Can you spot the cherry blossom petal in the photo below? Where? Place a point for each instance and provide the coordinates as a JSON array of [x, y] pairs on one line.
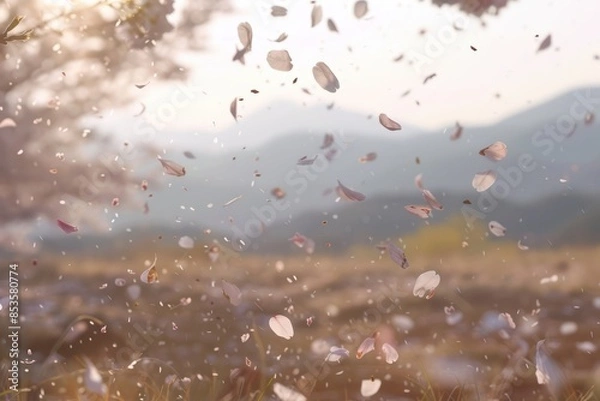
[[545, 43], [497, 229], [186, 242], [150, 275], [521, 246], [231, 292], [369, 387], [426, 284], [278, 11], [325, 77], [331, 25], [66, 227], [245, 34], [8, 123], [361, 8], [287, 394], [303, 242], [397, 255], [431, 200], [280, 60], [350, 194], [337, 353], [233, 108], [457, 132], [316, 15], [327, 141], [389, 123], [482, 181], [495, 152], [172, 168], [419, 181], [369, 157], [365, 347], [282, 326], [391, 355], [419, 210]]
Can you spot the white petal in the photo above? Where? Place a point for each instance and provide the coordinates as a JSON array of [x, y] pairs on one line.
[[280, 60], [231, 292], [391, 355], [389, 123], [419, 181], [369, 387], [365, 347], [8, 123], [482, 181], [186, 242], [497, 229], [325, 77], [282, 326], [419, 210], [287, 394], [426, 284]]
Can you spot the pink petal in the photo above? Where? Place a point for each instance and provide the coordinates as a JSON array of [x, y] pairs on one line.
[[327, 141], [457, 132], [369, 157], [430, 199], [365, 347], [8, 123], [325, 77], [172, 168], [233, 108], [280, 60], [418, 210], [66, 227], [495, 152], [482, 181], [361, 8], [282, 326], [419, 181], [389, 123], [316, 15], [397, 255], [545, 43], [350, 194]]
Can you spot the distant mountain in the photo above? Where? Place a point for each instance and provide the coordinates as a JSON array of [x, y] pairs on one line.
[[228, 189]]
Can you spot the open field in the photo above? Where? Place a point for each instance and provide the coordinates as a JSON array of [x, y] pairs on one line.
[[349, 296]]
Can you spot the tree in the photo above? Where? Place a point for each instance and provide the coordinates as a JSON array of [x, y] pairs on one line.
[[63, 61]]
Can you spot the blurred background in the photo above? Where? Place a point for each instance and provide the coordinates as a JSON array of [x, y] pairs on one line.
[[194, 140]]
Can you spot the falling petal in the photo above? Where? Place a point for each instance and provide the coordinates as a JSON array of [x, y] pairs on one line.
[[316, 15], [389, 123], [350, 194], [233, 200], [280, 60], [331, 25], [231, 292], [419, 210], [8, 123], [369, 387], [305, 161], [397, 255], [482, 181], [426, 284], [172, 168], [337, 353], [365, 347], [369, 157], [325, 77], [213, 253], [245, 34], [303, 242], [391, 355], [281, 38], [521, 246], [545, 43], [430, 199], [327, 141], [150, 275], [497, 229], [282, 326], [428, 77], [140, 86], [496, 151], [189, 154], [66, 227], [507, 318], [92, 379], [419, 181], [361, 8], [287, 394], [186, 242], [278, 11], [278, 193], [233, 108], [457, 132]]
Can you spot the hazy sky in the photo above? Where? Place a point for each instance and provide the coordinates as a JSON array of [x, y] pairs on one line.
[[506, 61]]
